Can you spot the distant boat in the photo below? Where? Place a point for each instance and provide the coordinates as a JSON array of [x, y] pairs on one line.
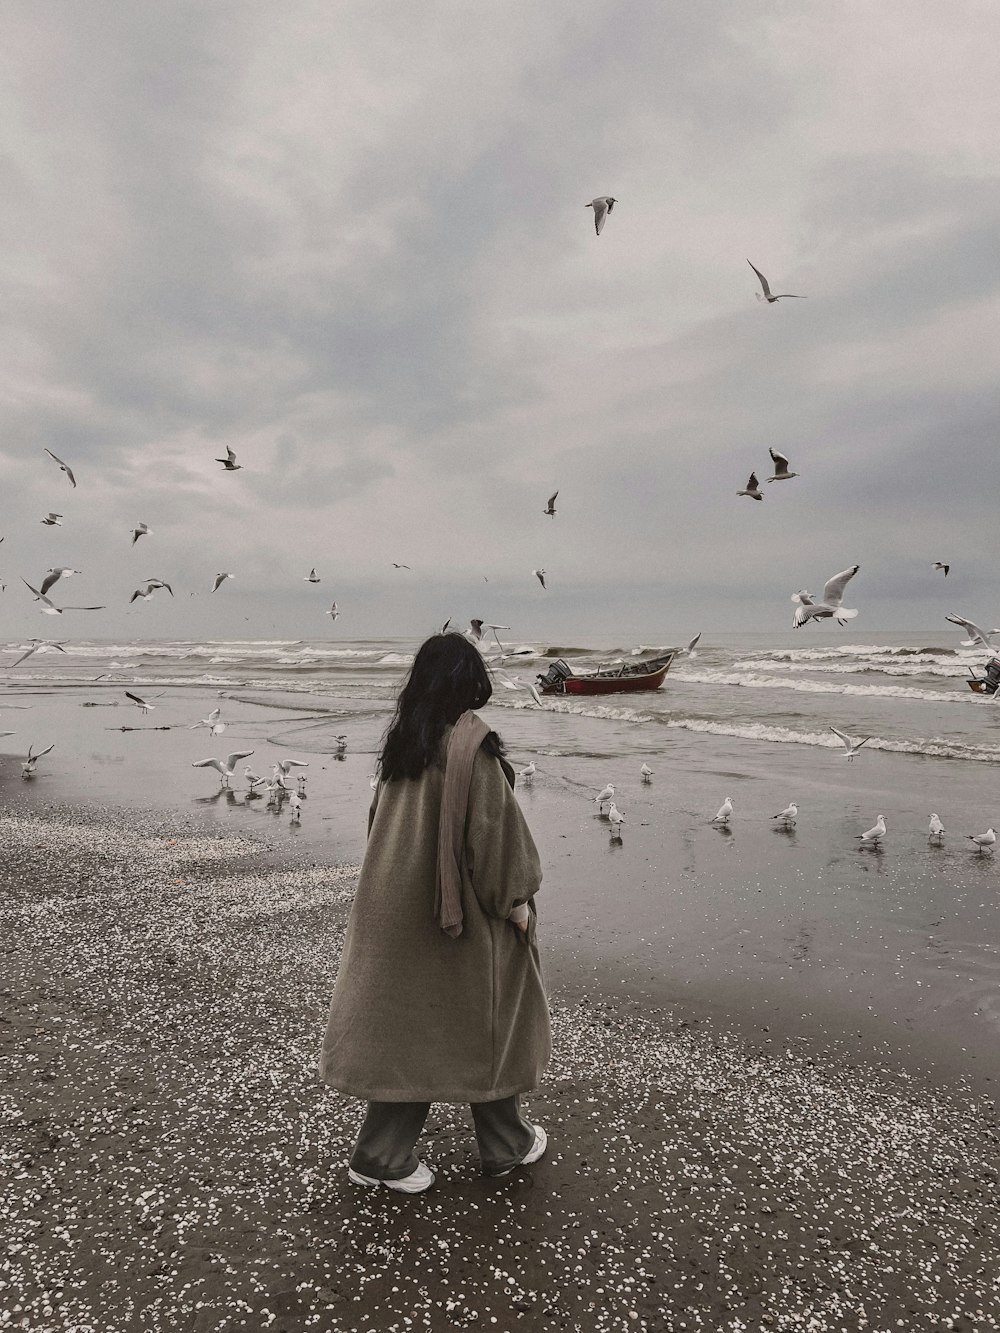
[[620, 679]]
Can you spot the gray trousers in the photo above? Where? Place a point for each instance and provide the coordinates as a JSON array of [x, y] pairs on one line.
[[384, 1149]]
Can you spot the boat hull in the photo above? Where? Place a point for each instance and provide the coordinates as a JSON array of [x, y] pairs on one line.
[[614, 684]]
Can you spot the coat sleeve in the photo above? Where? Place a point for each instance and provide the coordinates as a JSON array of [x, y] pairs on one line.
[[500, 852]]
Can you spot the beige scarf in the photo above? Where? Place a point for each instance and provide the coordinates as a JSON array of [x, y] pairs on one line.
[[463, 745]]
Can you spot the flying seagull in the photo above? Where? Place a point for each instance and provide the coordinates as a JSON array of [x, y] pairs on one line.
[[689, 651], [753, 488], [768, 296], [50, 609], [977, 637], [602, 206], [476, 627], [219, 581], [781, 472], [38, 646], [53, 576], [939, 565], [65, 467], [226, 767], [140, 530], [28, 767], [550, 506], [875, 833], [851, 745], [151, 587], [831, 605], [53, 520], [229, 463], [333, 612], [312, 576], [212, 722], [283, 766], [395, 566], [140, 703], [539, 575]]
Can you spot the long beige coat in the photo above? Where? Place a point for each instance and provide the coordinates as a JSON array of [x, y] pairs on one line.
[[418, 1015]]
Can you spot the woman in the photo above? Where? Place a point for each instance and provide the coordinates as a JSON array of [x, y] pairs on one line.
[[439, 997]]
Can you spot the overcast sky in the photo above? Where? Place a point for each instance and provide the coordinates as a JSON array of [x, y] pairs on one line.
[[350, 241]]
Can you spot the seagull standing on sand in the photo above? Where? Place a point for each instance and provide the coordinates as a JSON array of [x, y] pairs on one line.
[[616, 819], [227, 766], [140, 530], [528, 772], [939, 565], [251, 778], [874, 834], [140, 703], [53, 576], [646, 773], [781, 472], [52, 520], [229, 463], [768, 296], [602, 797], [602, 206], [977, 637], [851, 746], [936, 828], [28, 767], [219, 581], [984, 841], [295, 801], [725, 810], [539, 575], [753, 488], [64, 466], [831, 605], [550, 505], [788, 814]]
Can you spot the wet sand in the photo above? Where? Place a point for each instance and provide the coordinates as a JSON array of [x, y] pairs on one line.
[[172, 1163]]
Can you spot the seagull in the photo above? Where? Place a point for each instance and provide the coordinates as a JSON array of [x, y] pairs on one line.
[[226, 767], [646, 772], [53, 576], [938, 565], [935, 828], [476, 627], [768, 295], [341, 744], [251, 778], [874, 834], [788, 814], [151, 587], [602, 206], [689, 651], [312, 576], [229, 463], [373, 781], [53, 520], [852, 746], [395, 566], [984, 840], [140, 530], [283, 765], [50, 609], [333, 612], [616, 818], [977, 636], [28, 767], [212, 722], [141, 704], [295, 801], [68, 470], [725, 810], [833, 596], [38, 646], [219, 581], [753, 488], [781, 472], [550, 505], [539, 575], [602, 797], [528, 772]]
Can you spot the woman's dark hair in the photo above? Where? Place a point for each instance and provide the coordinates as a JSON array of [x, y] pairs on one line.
[[447, 678]]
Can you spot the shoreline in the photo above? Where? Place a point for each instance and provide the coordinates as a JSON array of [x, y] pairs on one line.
[[167, 1000]]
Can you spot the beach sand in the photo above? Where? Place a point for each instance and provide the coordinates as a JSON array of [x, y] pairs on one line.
[[171, 1161]]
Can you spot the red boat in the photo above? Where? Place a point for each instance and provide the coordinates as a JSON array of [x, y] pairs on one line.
[[619, 679]]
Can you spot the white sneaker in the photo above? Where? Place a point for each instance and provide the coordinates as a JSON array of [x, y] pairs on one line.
[[415, 1183], [536, 1150]]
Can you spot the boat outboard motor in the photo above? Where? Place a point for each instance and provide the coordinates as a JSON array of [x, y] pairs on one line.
[[992, 670], [556, 674]]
